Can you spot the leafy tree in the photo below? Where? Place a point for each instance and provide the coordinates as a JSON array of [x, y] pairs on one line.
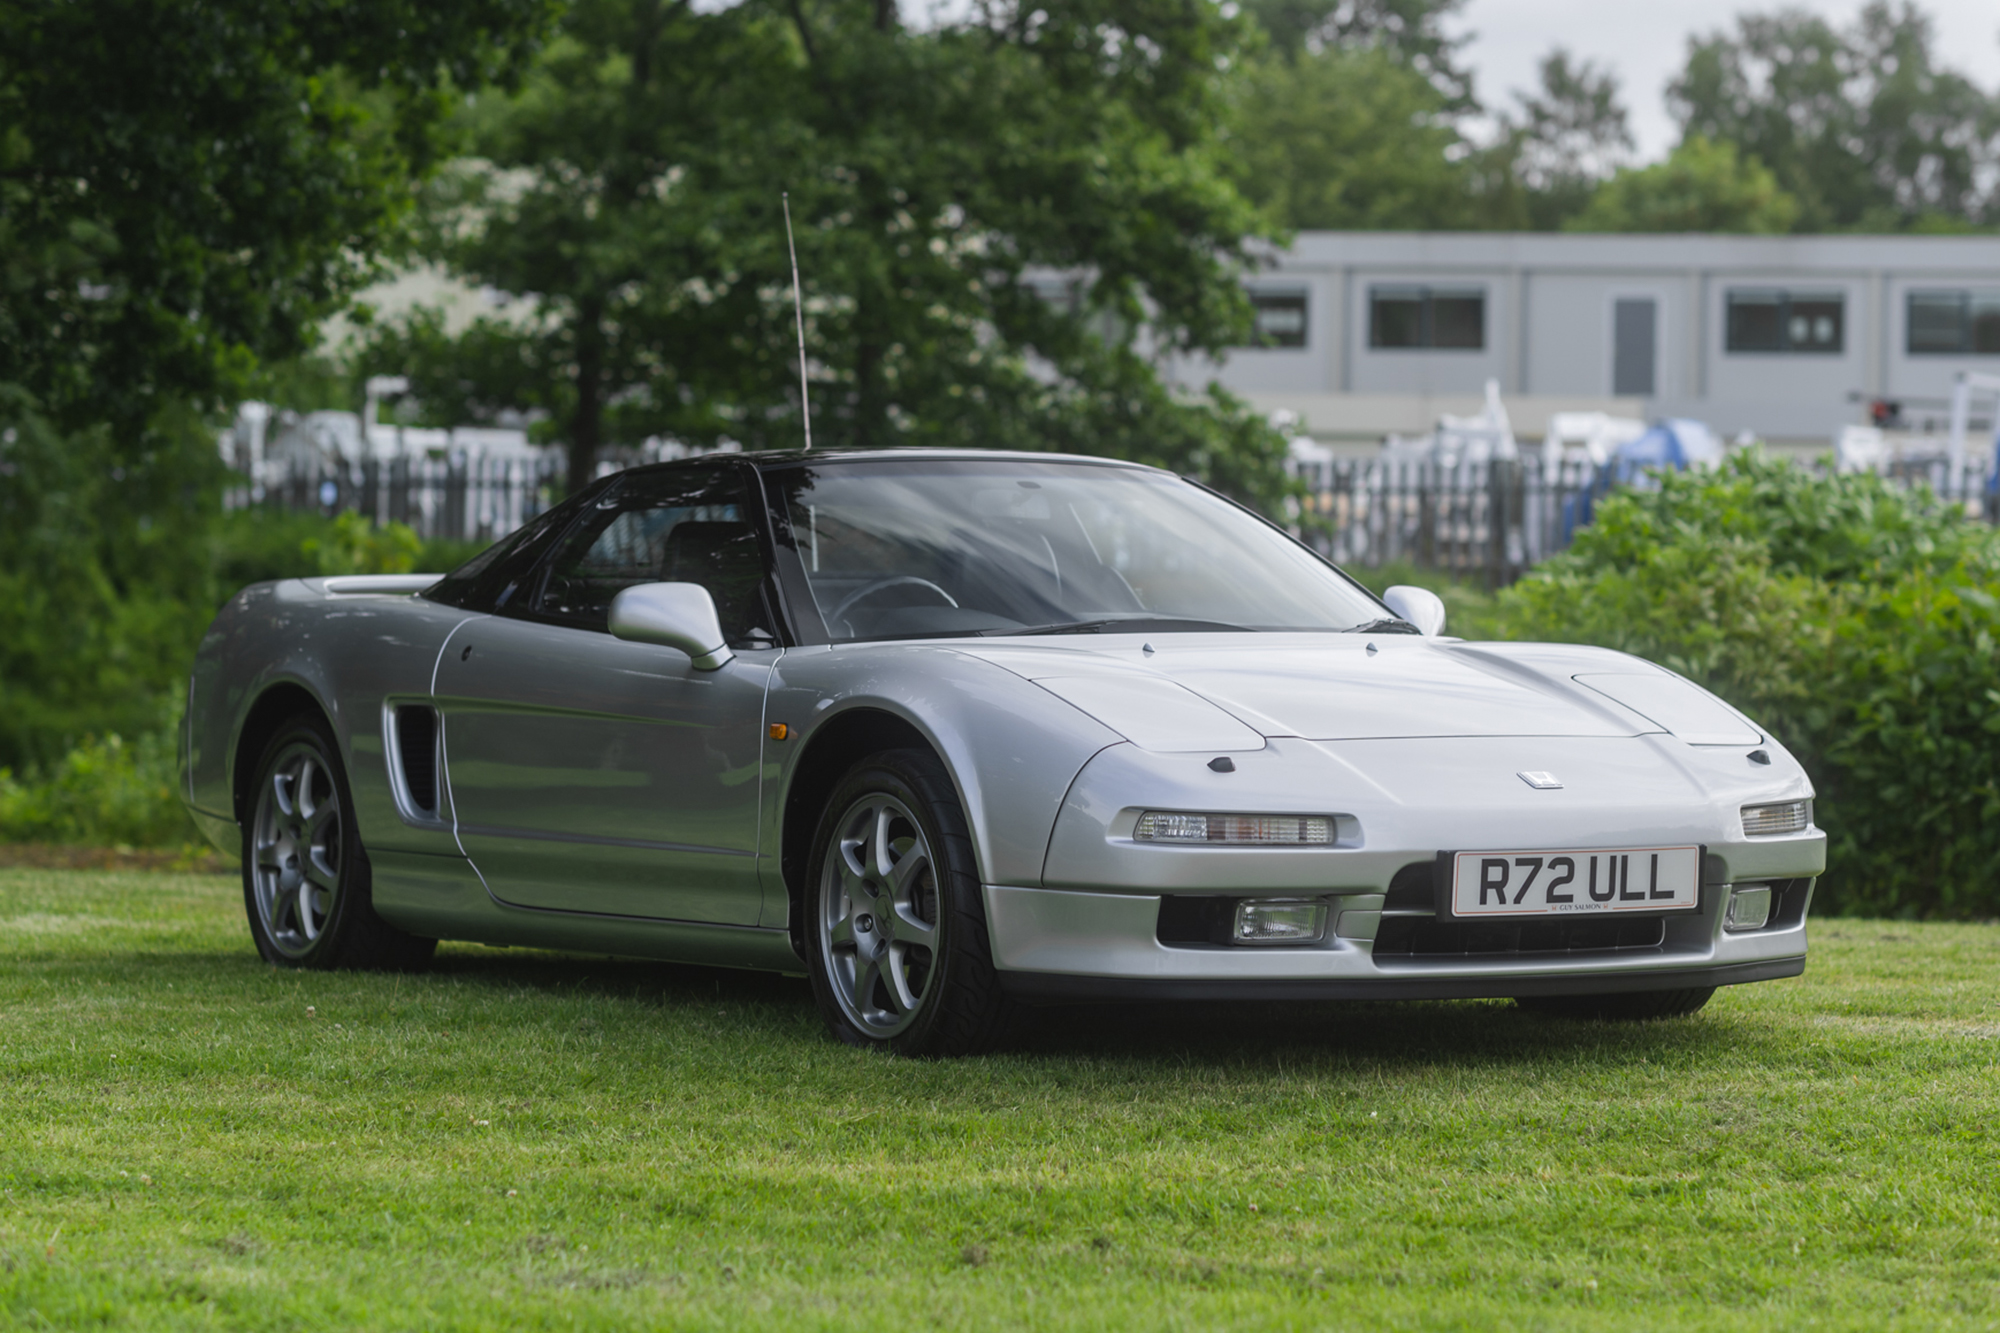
[[1554, 151], [1860, 124], [1702, 186], [1410, 32], [1003, 221], [1350, 139], [183, 190]]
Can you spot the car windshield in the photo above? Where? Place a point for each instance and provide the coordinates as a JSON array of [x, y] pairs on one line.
[[906, 547]]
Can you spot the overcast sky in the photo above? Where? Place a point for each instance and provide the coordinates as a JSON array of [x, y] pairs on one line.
[[1645, 41]]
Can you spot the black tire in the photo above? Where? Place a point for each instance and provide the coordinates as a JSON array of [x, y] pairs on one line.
[[923, 973], [1626, 1006], [306, 882]]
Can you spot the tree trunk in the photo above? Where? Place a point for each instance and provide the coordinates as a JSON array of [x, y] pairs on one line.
[[586, 429]]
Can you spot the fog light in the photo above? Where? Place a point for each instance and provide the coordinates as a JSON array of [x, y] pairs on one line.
[[1278, 921], [1761, 821], [1239, 830], [1749, 907]]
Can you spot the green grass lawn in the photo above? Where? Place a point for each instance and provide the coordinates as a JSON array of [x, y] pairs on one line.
[[191, 1139]]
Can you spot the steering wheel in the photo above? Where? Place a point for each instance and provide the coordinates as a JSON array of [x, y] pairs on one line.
[[868, 590]]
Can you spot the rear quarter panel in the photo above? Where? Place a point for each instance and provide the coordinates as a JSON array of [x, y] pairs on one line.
[[354, 655]]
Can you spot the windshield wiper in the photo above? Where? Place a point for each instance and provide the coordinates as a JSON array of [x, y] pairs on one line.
[[1115, 625], [1387, 625]]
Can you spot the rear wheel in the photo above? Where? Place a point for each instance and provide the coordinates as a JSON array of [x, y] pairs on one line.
[[895, 929], [306, 886], [1627, 1006]]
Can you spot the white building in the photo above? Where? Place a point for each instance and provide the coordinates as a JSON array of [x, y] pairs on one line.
[[1786, 337]]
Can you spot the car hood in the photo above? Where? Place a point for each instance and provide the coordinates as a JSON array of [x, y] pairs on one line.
[[1205, 692]]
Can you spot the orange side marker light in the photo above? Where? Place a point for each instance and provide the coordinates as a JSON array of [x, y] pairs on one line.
[[779, 731]]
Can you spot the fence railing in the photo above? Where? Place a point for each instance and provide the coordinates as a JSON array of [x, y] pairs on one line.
[[1487, 521], [1493, 521], [1490, 521], [460, 498]]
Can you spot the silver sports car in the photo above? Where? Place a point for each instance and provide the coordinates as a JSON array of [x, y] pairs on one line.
[[955, 732]]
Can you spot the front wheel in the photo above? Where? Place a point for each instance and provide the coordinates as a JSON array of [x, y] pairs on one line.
[[895, 929], [305, 876], [1627, 1006]]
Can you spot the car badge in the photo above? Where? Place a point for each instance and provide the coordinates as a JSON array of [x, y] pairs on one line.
[[1540, 781]]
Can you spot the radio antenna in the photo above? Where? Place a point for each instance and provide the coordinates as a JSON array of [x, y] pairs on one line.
[[799, 318]]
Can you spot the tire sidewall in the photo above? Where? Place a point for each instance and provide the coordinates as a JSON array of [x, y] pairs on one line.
[[352, 897], [893, 774]]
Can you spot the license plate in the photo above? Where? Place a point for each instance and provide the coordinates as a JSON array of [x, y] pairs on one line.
[[1559, 883]]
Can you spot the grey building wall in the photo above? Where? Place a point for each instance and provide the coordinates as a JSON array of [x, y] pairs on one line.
[[1550, 316]]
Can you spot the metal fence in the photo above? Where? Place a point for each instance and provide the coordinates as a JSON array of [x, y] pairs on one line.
[[457, 497], [1492, 522], [1486, 521]]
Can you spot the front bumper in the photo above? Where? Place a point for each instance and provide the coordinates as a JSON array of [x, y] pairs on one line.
[[1055, 987], [1093, 928], [1056, 944]]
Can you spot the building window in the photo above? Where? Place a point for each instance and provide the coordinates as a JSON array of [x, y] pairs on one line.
[[1281, 318], [1961, 322], [1781, 321], [1427, 317]]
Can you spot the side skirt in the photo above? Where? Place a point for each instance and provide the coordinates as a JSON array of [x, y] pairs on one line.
[[443, 897]]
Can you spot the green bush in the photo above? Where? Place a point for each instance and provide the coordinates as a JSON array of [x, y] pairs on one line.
[[1856, 621], [108, 792], [252, 545]]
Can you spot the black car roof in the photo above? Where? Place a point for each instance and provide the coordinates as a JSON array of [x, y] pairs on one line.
[[766, 459]]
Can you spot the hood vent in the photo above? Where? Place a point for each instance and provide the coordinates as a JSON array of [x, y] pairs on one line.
[[416, 745]]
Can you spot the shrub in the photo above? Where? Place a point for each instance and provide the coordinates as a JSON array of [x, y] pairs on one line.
[[1857, 622], [105, 792]]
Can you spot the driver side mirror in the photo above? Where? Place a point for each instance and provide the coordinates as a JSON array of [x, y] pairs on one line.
[[673, 615], [1420, 606]]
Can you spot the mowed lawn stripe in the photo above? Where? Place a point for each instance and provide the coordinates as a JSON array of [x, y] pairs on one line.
[[191, 1139]]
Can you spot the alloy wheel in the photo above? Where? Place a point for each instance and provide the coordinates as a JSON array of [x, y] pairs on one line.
[[878, 915], [295, 873]]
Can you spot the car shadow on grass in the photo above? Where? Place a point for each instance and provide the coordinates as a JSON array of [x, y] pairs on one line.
[[1430, 1033], [1413, 1032]]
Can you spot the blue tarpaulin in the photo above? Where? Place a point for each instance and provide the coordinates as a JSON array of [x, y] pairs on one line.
[[1676, 442]]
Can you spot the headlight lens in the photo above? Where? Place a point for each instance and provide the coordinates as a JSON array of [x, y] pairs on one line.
[[1236, 830], [1761, 821]]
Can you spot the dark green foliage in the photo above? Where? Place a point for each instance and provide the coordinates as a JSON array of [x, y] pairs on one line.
[[1861, 624], [1701, 187], [1409, 32], [1350, 140], [1555, 148], [103, 578], [185, 188], [633, 188]]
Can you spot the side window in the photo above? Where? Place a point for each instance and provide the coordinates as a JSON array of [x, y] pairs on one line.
[[687, 525], [494, 579]]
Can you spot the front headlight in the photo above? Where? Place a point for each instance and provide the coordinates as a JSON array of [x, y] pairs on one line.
[[1235, 830], [1761, 821]]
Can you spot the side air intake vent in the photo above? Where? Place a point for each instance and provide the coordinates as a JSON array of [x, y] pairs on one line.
[[416, 742]]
